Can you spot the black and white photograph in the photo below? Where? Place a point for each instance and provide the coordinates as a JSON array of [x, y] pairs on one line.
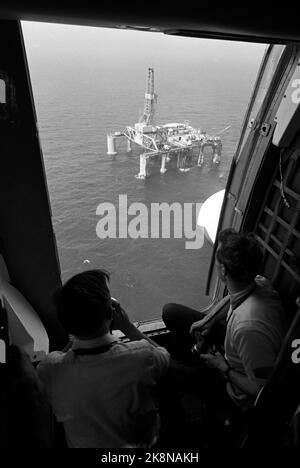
[[149, 229]]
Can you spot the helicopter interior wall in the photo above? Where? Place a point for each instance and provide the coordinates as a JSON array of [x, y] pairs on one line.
[[27, 240], [277, 224], [272, 209]]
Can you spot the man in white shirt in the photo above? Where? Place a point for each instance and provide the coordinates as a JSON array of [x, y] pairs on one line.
[[101, 389], [254, 331]]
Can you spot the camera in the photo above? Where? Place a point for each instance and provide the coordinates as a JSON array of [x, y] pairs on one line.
[[200, 347]]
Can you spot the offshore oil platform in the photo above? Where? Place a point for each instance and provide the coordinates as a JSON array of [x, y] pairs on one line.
[[171, 141]]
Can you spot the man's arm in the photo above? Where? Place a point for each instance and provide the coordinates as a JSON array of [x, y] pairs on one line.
[[256, 352], [122, 322], [134, 334], [159, 356], [217, 314], [219, 364], [243, 383]]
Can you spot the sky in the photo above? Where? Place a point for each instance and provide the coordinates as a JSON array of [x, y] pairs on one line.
[[47, 39]]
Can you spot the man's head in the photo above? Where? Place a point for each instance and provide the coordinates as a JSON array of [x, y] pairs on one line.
[[239, 256], [83, 304]]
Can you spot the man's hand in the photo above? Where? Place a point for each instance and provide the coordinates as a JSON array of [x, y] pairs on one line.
[[120, 319], [215, 361], [201, 328]]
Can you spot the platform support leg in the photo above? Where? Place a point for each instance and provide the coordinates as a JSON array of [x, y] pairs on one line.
[[200, 157], [216, 158], [163, 164], [217, 153], [111, 149], [143, 167], [129, 148]]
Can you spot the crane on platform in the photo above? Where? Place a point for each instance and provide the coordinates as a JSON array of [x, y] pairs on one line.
[[168, 141]]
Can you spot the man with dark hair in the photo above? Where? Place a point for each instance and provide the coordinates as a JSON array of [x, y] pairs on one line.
[[101, 388], [241, 255], [250, 339]]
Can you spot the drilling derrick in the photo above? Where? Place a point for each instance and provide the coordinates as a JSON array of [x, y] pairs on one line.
[[150, 100]]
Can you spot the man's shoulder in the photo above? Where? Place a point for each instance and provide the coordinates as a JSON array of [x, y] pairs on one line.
[[141, 346], [265, 291], [136, 344], [144, 352], [54, 359], [263, 308], [264, 298]]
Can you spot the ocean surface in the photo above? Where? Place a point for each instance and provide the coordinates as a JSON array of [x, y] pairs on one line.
[[87, 83]]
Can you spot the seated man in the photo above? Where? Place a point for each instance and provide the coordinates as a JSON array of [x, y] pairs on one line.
[[254, 330], [101, 388]]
